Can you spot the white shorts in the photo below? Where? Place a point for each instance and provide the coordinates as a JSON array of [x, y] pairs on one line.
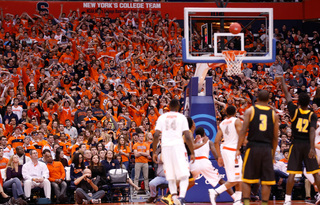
[[233, 170], [175, 162], [204, 167]]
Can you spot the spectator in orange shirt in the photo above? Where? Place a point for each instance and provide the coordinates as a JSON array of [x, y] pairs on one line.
[[16, 139], [3, 161], [56, 177], [141, 153], [67, 57]]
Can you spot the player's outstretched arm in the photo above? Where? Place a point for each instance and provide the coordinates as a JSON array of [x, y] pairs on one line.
[[188, 139], [284, 88], [275, 133], [155, 144]]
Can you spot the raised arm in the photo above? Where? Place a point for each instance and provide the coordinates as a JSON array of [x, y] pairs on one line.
[[285, 88]]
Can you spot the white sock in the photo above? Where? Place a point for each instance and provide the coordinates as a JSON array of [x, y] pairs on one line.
[[238, 196], [221, 189], [287, 197], [184, 183], [172, 186], [234, 196]]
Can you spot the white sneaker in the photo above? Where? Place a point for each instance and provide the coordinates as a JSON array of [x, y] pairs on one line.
[[317, 197], [238, 202], [213, 195], [287, 203]]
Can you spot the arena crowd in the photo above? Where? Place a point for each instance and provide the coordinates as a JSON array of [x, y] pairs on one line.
[[85, 90]]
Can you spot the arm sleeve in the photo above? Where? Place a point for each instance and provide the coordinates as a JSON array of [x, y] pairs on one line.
[[63, 172], [314, 120], [25, 171], [45, 173], [8, 173]]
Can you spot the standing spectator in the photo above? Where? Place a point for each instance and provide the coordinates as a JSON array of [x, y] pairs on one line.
[[141, 153], [56, 177], [87, 157], [87, 189], [36, 174], [9, 115], [71, 131], [276, 69], [14, 177], [16, 108], [246, 71], [124, 151], [17, 138]]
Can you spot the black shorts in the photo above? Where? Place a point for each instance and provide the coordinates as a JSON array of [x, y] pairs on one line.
[[298, 153], [258, 166]]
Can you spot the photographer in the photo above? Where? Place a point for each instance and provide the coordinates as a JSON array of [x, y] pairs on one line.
[[87, 189]]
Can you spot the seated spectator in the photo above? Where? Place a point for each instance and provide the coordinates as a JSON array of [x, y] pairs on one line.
[[77, 167], [35, 174], [159, 179], [98, 170], [14, 177], [57, 178], [3, 161], [60, 157], [4, 198], [110, 163], [22, 157], [86, 185]]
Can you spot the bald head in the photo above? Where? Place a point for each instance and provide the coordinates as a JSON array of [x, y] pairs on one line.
[[263, 96]]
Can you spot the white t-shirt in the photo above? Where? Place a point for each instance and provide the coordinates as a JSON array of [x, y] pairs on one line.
[[17, 110], [172, 125]]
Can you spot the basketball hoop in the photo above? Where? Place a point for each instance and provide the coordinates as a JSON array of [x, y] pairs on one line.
[[234, 60]]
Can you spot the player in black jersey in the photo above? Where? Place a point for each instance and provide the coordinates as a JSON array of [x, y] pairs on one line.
[[302, 149], [262, 123]]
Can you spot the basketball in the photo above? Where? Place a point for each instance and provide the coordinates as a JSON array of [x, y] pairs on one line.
[[235, 28]]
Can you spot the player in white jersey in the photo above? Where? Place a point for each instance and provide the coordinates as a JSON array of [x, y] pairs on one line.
[[229, 130], [202, 164], [174, 155]]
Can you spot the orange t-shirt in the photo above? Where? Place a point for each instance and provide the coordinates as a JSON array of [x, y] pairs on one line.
[[3, 163], [141, 147], [126, 150]]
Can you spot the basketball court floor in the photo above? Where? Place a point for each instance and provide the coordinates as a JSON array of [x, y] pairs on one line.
[[276, 202]]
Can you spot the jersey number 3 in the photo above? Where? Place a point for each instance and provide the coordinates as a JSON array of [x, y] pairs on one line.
[[302, 125], [263, 123]]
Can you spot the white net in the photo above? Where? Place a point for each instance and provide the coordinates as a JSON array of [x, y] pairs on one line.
[[234, 60]]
